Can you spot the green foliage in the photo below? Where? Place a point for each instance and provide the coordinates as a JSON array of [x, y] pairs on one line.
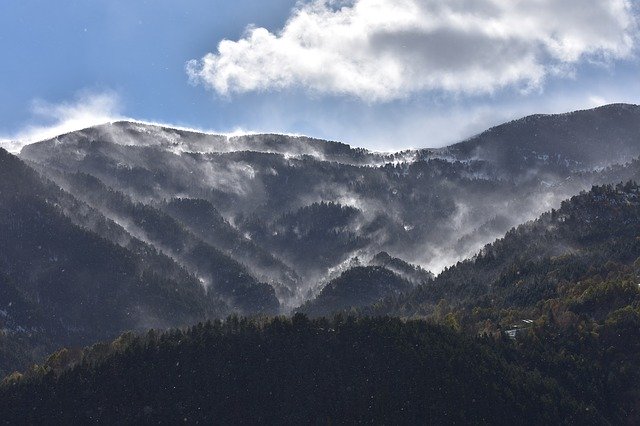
[[293, 371]]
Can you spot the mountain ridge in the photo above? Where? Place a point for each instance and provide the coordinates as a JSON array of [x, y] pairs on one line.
[[248, 185], [577, 128], [269, 231], [168, 127]]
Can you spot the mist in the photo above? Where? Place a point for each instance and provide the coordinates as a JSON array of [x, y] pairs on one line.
[[294, 212]]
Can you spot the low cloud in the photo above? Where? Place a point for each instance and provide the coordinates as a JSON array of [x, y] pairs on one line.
[[88, 109], [381, 50]]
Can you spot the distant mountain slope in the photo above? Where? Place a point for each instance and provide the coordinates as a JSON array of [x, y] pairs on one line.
[[356, 287], [412, 273], [62, 283], [313, 237], [577, 140], [223, 275], [206, 223], [187, 141], [293, 210], [541, 260]]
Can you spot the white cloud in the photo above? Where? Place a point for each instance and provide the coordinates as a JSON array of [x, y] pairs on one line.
[[380, 50], [88, 109]]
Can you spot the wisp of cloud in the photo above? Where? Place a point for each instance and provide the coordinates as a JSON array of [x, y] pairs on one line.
[[88, 109]]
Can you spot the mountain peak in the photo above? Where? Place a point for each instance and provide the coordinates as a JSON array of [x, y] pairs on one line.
[[581, 139], [182, 140]]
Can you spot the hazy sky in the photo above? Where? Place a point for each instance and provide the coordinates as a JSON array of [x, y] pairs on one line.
[[382, 74]]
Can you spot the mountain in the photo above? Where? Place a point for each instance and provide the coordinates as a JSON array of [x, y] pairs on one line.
[[356, 287], [221, 274], [129, 226], [64, 284], [541, 327], [564, 289], [261, 224], [581, 140], [592, 236], [294, 210]]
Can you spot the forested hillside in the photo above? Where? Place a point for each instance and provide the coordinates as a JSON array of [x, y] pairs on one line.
[[593, 236], [137, 227], [573, 141], [292, 210], [543, 326], [356, 287], [294, 371], [61, 284]]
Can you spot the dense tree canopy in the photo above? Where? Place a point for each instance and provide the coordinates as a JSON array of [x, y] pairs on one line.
[[292, 371]]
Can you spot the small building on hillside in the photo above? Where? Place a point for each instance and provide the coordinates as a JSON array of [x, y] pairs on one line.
[[519, 328]]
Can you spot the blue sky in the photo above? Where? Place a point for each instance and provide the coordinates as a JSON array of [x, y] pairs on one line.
[[380, 74]]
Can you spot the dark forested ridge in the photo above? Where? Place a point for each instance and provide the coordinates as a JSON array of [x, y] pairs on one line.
[[356, 287], [293, 371], [409, 272], [223, 275]]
